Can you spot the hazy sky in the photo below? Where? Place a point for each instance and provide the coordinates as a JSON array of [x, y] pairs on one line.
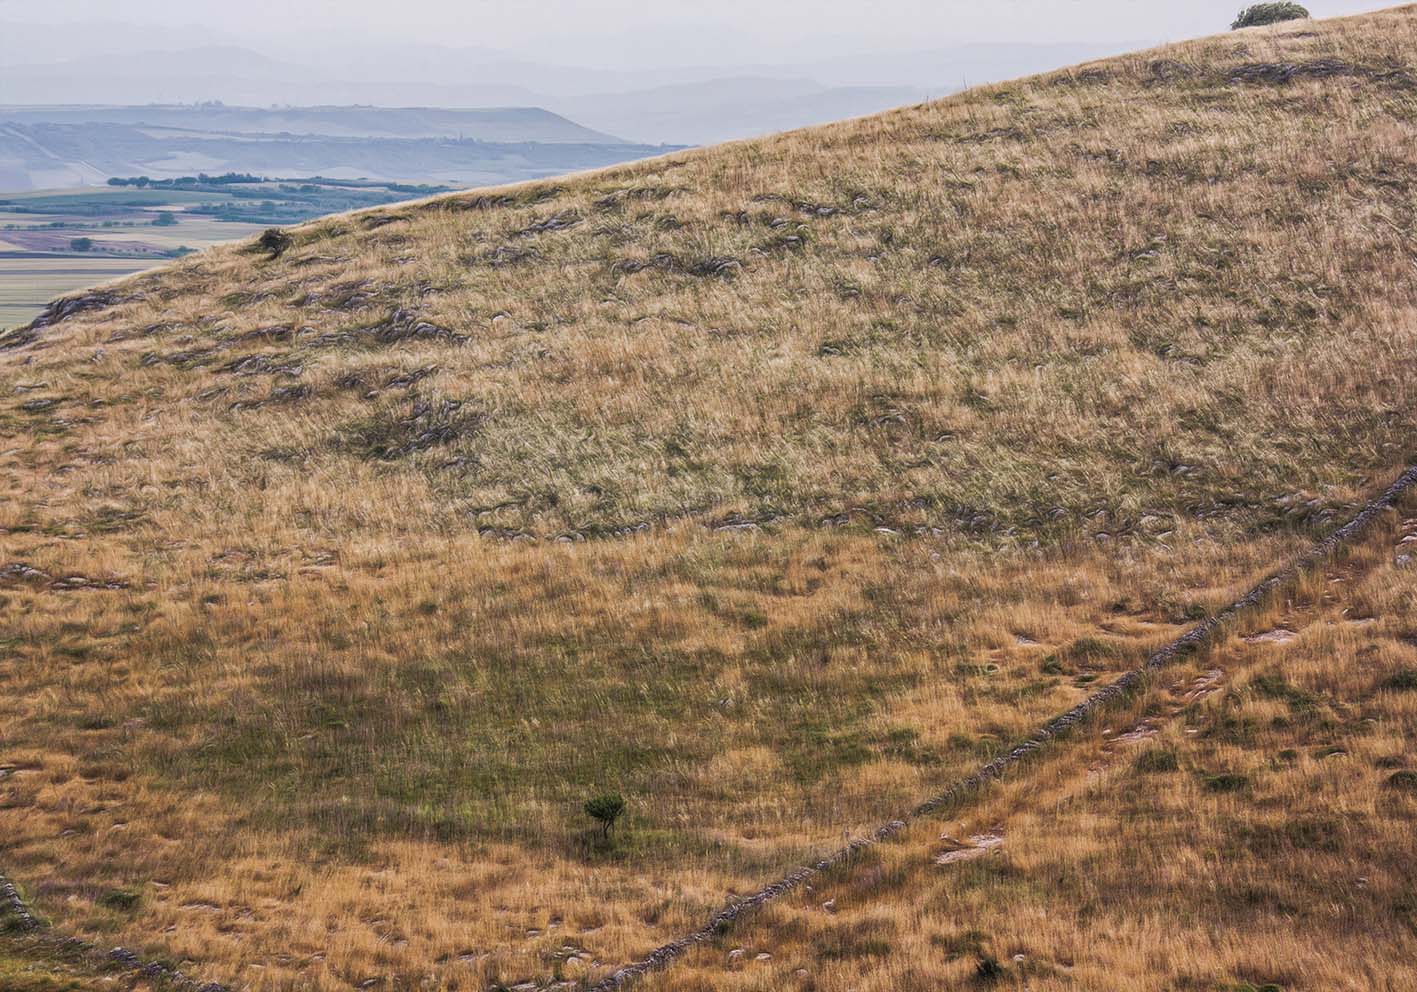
[[642, 33]]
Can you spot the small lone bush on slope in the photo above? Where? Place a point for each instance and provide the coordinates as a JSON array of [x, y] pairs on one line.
[[1268, 13], [275, 241], [605, 810]]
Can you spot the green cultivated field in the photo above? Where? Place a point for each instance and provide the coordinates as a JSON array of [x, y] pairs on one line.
[[38, 260]]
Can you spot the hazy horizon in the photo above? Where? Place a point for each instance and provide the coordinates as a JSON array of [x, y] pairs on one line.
[[673, 73], [621, 35]]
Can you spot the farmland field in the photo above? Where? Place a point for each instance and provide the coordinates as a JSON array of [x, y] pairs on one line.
[[28, 283], [37, 263], [119, 230]]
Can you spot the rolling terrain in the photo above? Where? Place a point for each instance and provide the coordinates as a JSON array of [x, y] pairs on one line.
[[56, 241], [59, 146], [774, 486], [683, 105], [500, 125]]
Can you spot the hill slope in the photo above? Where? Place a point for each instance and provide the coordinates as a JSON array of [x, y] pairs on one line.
[[769, 485], [1240, 826]]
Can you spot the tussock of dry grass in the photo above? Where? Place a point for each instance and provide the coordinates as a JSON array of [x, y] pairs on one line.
[[769, 485]]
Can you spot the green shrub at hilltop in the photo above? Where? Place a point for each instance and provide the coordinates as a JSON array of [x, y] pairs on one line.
[[1268, 13]]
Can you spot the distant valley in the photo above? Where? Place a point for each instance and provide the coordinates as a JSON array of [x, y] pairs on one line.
[[93, 192], [55, 241], [683, 105], [90, 192], [62, 146], [325, 131]]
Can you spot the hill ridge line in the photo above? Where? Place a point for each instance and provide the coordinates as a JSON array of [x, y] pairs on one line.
[[665, 955]]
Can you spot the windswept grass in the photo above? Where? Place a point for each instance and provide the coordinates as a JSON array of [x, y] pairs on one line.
[[1248, 824], [768, 486]]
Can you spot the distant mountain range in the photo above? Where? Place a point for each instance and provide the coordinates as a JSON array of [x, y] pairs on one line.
[[57, 147], [687, 105], [500, 124]]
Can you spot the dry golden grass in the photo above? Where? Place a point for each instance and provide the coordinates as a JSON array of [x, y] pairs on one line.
[[446, 520], [1248, 824], [40, 964], [387, 801]]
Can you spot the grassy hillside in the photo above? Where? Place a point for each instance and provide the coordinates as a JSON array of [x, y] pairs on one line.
[[771, 486], [1245, 825]]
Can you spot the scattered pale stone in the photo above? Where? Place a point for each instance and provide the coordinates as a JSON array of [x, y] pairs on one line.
[[976, 847], [1141, 732], [1205, 685], [1279, 635]]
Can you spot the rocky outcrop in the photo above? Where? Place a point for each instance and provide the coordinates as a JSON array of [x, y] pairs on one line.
[[57, 312]]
